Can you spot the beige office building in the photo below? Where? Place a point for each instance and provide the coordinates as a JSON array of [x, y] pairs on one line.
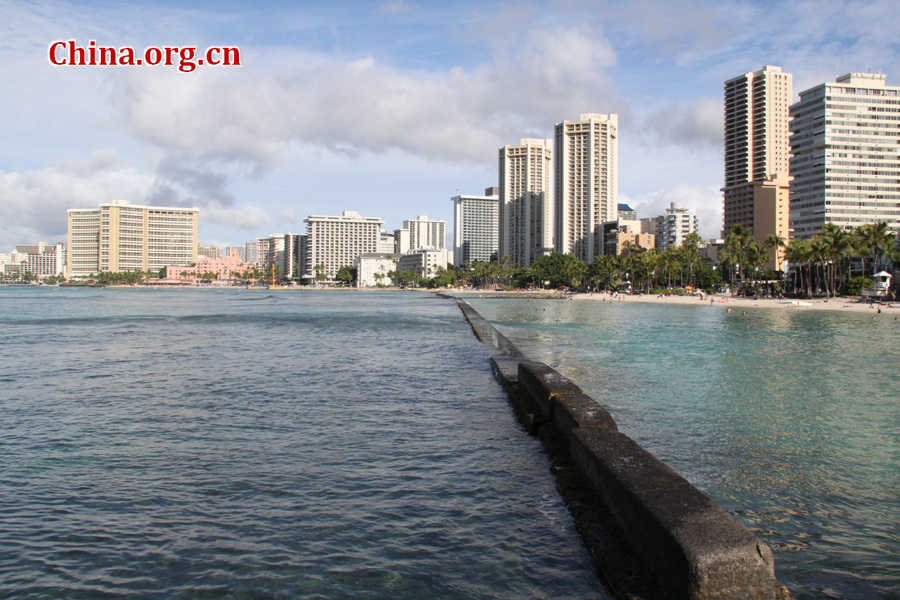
[[845, 141], [757, 154], [586, 183], [120, 236], [333, 242], [525, 214]]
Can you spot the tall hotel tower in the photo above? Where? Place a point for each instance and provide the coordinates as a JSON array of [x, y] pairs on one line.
[[757, 154], [845, 139], [120, 236], [525, 209], [333, 242], [586, 183], [476, 227]]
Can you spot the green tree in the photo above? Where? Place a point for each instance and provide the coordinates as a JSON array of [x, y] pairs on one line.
[[559, 269], [737, 241], [320, 273], [346, 275], [775, 243]]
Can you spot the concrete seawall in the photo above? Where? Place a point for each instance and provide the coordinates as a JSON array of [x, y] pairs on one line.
[[652, 533]]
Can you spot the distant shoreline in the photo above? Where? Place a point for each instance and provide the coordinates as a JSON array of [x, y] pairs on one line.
[[737, 304]]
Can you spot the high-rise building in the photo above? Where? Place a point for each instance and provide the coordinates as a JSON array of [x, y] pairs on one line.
[[674, 226], [526, 173], [426, 234], [41, 260], [476, 227], [281, 250], [757, 154], [240, 250], [385, 242], [401, 241], [120, 236], [209, 251], [586, 183], [334, 242], [626, 213], [251, 253], [845, 144]]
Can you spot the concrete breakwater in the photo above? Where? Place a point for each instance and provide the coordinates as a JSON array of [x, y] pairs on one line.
[[652, 534]]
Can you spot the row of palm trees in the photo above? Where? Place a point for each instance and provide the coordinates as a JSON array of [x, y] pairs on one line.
[[642, 269], [830, 259]]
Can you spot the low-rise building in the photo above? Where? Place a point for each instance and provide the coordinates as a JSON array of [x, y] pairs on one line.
[[372, 268], [423, 262], [616, 234], [223, 269]]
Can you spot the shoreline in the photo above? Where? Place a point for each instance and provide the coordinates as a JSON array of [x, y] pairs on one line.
[[840, 304], [737, 304]]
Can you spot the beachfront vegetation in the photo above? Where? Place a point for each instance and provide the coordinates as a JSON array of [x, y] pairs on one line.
[[834, 262]]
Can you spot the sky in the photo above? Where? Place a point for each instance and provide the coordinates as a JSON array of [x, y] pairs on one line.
[[387, 108]]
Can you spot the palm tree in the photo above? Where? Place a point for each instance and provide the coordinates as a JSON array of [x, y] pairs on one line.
[[874, 239], [737, 240], [798, 254], [776, 242], [839, 245], [819, 250]]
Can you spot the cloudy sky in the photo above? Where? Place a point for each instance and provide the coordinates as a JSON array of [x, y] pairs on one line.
[[387, 108]]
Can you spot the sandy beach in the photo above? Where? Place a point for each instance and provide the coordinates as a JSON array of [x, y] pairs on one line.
[[739, 305], [736, 304]]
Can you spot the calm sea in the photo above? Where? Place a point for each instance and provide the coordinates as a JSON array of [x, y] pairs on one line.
[[266, 444], [789, 420]]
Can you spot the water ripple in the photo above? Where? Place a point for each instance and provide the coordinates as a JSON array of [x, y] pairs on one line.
[[215, 444]]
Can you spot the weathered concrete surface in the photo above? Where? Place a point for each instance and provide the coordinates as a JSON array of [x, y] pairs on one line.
[[652, 533], [694, 545], [488, 335]]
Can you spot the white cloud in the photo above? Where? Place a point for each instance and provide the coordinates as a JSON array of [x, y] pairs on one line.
[[699, 123], [396, 7], [247, 116], [34, 202]]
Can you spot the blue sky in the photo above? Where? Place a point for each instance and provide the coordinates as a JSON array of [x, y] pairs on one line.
[[387, 108]]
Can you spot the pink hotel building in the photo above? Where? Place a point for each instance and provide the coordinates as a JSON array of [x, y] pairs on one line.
[[221, 267]]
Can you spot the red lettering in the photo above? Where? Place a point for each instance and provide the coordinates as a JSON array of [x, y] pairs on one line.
[[232, 52], [52, 53], [108, 56], [126, 57], [169, 53], [68, 53], [153, 55], [186, 64], [76, 54]]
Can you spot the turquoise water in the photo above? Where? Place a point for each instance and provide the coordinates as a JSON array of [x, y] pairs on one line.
[[788, 419], [256, 444]]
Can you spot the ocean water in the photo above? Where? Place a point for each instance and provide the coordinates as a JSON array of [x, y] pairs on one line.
[[266, 444], [788, 419]]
